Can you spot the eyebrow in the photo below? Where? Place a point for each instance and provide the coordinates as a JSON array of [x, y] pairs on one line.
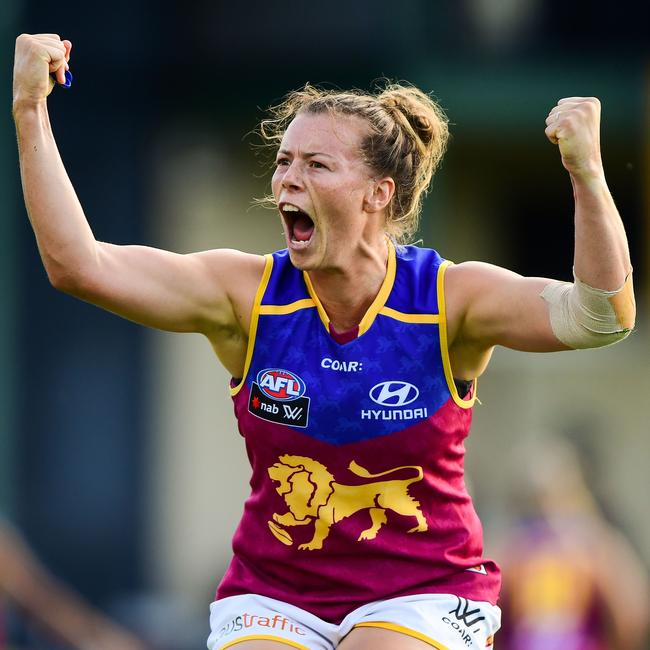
[[308, 154]]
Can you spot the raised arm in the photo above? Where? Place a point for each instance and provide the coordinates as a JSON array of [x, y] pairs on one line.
[[209, 292], [491, 306]]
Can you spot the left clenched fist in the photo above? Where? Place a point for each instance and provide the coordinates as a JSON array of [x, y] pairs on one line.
[[574, 125]]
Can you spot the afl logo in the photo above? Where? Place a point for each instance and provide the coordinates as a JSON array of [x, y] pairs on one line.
[[281, 384], [393, 393]]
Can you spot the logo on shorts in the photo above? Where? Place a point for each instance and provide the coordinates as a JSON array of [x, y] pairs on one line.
[[465, 618], [278, 396], [247, 621]]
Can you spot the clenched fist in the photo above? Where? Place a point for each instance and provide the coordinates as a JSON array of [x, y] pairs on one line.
[[37, 56], [574, 125]]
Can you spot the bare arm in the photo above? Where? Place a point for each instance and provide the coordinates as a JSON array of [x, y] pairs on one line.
[[602, 258], [209, 292], [622, 582], [32, 589], [491, 306]]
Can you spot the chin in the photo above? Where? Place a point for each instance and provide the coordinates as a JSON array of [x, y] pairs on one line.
[[306, 259], [301, 260]]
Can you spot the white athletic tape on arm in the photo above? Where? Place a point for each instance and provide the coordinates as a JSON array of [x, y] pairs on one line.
[[584, 317]]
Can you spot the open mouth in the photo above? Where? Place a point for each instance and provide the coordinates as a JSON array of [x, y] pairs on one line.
[[300, 226]]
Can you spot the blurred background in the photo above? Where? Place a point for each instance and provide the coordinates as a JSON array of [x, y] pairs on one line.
[[119, 459]]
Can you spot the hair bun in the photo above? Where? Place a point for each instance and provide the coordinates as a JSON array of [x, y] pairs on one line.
[[405, 139], [409, 106], [423, 127]]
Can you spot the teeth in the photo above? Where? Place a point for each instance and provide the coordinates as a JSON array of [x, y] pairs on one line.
[[290, 208], [301, 244]]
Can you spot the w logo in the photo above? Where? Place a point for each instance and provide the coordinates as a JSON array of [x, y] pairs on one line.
[[463, 613], [292, 413]]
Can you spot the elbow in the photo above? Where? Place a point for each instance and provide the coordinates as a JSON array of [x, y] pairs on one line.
[[80, 276], [584, 317], [63, 282], [71, 272], [67, 280], [601, 340]]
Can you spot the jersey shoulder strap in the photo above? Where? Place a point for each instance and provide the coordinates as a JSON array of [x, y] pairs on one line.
[[286, 284], [416, 281]]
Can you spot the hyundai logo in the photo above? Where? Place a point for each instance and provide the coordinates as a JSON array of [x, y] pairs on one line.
[[393, 393]]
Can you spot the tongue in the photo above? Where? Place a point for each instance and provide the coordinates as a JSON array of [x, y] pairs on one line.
[[303, 227]]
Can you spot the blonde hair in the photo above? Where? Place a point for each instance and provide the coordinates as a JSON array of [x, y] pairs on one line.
[[407, 137]]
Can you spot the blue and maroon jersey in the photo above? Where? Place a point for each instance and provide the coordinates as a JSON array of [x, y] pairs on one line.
[[357, 449]]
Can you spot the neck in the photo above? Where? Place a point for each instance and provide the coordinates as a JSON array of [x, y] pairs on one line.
[[346, 292]]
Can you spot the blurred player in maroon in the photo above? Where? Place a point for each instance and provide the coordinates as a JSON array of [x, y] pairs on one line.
[[571, 580]]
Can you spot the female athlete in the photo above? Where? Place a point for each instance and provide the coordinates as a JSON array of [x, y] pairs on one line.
[[353, 357]]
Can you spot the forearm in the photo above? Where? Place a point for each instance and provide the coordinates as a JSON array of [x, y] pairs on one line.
[[598, 308], [602, 258], [65, 240], [62, 613]]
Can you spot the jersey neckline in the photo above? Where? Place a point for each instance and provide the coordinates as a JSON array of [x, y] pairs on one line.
[[377, 304]]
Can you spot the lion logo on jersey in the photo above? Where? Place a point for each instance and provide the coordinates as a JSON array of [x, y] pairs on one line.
[[313, 496]]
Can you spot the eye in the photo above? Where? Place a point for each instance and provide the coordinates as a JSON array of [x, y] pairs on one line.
[[282, 162], [314, 164]]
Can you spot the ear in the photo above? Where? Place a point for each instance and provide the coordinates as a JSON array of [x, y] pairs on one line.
[[379, 194]]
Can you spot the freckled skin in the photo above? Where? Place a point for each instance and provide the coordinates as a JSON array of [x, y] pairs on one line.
[[330, 187]]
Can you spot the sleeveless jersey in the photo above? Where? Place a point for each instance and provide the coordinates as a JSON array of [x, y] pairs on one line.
[[357, 449]]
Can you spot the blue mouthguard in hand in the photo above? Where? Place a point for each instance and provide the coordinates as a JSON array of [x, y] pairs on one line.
[[68, 79]]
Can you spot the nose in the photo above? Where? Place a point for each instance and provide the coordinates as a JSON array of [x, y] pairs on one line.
[[291, 179]]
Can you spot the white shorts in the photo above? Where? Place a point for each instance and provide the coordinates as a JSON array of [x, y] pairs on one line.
[[443, 621]]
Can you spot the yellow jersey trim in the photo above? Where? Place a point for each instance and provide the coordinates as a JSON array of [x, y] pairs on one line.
[[252, 330], [264, 637], [444, 349], [403, 630], [431, 319], [377, 304], [321, 310], [384, 291], [281, 310]]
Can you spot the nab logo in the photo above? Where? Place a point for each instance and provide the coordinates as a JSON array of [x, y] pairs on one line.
[[280, 384], [393, 393], [279, 396]]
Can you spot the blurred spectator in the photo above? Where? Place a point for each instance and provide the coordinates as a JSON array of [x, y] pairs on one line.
[[571, 579], [52, 606]]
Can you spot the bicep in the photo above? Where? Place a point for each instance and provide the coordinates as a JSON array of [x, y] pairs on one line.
[[169, 291], [503, 308]]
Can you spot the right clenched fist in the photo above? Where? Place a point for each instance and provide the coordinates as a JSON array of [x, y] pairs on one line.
[[37, 56]]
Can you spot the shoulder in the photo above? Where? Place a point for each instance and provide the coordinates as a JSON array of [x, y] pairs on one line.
[[224, 260], [416, 264], [462, 284], [478, 297], [236, 270], [468, 282], [417, 255], [238, 273], [474, 275]]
